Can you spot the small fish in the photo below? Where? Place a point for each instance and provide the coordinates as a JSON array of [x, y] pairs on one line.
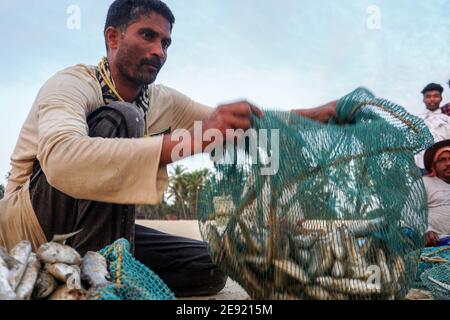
[[365, 228], [55, 252], [338, 270], [353, 250], [304, 241], [25, 288], [336, 244], [293, 270], [349, 286], [21, 252], [62, 238], [94, 270], [440, 284], [6, 291], [45, 285], [327, 261], [65, 273], [318, 293], [10, 261], [64, 293], [384, 268]]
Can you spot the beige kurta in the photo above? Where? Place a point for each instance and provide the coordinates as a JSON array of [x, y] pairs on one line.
[[438, 205], [122, 171]]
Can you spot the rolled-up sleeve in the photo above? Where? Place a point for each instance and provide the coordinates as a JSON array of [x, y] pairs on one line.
[[122, 171]]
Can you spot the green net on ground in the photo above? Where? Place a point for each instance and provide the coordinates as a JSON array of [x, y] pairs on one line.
[[131, 279], [433, 272], [340, 216]]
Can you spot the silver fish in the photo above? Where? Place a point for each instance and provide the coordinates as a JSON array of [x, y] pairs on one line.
[[10, 261], [304, 241], [55, 252], [336, 244], [21, 252], [94, 270], [64, 293], [365, 228], [384, 268], [349, 286], [440, 284], [318, 293], [293, 270], [65, 273], [62, 238], [327, 261], [45, 285], [338, 270], [6, 291], [25, 288]]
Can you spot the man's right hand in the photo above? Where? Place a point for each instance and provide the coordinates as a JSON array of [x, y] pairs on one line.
[[431, 239], [232, 116]]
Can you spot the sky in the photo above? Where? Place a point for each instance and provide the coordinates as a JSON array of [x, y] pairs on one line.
[[278, 54]]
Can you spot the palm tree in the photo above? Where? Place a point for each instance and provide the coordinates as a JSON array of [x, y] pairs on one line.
[[178, 190]]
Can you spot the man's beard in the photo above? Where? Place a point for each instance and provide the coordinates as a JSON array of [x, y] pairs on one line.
[[132, 69]]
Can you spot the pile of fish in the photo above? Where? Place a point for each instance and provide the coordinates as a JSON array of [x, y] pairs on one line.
[[55, 272], [280, 262]]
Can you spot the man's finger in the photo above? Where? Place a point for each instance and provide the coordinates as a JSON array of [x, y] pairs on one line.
[[256, 110]]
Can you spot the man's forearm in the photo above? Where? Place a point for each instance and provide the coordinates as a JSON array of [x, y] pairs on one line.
[[322, 114]]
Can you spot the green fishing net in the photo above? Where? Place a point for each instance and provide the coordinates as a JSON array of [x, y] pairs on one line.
[[434, 275], [340, 216], [131, 279]]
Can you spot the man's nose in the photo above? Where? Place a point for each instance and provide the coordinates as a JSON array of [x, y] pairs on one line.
[[157, 50]]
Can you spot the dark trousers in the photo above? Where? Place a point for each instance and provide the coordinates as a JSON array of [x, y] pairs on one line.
[[183, 264]]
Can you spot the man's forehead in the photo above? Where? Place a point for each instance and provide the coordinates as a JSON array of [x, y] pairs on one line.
[[153, 21], [433, 92]]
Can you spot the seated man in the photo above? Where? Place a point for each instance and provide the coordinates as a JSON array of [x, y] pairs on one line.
[[437, 184], [436, 121]]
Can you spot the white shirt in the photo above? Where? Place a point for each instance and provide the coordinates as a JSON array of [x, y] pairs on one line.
[[438, 192], [439, 126]]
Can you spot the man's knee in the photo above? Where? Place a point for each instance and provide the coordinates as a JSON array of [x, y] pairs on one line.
[[117, 120]]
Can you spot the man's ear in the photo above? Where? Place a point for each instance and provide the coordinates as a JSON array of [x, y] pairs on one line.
[[112, 37]]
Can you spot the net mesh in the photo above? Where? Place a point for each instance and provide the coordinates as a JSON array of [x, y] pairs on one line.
[[340, 217], [131, 279], [433, 272]]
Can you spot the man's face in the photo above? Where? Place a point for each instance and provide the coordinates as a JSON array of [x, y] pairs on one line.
[[142, 49], [442, 166], [432, 100]]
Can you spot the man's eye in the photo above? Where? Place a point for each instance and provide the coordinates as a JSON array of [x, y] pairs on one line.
[[148, 35], [165, 44]]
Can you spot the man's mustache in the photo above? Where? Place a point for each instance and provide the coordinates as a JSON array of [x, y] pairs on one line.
[[155, 62]]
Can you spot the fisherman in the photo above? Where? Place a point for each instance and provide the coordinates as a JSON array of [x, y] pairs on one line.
[[437, 184], [97, 142], [436, 121]]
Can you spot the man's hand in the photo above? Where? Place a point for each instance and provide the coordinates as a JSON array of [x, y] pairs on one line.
[[431, 239], [321, 114], [233, 116]]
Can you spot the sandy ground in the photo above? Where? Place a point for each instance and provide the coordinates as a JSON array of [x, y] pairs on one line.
[[190, 229]]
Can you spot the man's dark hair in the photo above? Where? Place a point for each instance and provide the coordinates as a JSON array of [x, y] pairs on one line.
[[122, 13], [433, 87]]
